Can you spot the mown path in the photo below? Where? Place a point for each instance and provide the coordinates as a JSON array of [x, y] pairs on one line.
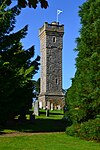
[[12, 134]]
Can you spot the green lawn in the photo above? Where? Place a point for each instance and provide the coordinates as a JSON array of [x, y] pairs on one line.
[[45, 141], [51, 141], [53, 123]]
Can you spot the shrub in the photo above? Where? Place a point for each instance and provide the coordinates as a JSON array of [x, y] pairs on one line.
[[89, 130], [73, 130]]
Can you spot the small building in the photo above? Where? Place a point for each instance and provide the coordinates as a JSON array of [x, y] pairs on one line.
[[51, 44]]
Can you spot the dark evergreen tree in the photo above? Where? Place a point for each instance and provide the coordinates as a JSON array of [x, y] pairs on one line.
[[38, 85], [36, 89], [83, 97], [29, 3], [16, 67]]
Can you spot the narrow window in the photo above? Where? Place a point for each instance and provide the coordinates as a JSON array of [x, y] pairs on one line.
[[56, 81], [54, 39]]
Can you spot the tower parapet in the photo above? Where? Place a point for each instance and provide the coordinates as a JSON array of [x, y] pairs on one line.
[[53, 27]]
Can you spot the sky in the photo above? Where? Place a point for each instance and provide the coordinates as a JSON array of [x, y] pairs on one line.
[[35, 19]]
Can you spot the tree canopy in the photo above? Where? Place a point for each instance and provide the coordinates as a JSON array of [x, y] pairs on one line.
[[17, 67], [29, 3], [83, 97]]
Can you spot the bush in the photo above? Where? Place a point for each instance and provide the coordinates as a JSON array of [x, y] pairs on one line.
[[73, 130], [89, 130]]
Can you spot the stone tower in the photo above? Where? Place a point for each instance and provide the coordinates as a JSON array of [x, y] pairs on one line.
[[51, 44]]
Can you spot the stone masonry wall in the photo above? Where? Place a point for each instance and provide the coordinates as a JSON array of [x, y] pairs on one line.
[[51, 44]]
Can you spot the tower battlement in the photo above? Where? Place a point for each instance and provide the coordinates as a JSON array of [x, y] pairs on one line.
[[53, 27]]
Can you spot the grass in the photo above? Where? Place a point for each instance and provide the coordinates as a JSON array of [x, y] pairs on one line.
[[50, 141], [53, 123], [45, 140]]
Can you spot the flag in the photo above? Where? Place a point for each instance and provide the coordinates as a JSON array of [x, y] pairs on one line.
[[59, 11]]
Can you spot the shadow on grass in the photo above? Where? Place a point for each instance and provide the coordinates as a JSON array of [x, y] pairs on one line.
[[38, 125], [52, 113]]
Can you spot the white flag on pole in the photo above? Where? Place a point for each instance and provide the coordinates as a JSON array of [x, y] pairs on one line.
[[59, 11]]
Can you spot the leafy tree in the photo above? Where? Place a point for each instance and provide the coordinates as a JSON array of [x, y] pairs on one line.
[[16, 67], [83, 97], [29, 3]]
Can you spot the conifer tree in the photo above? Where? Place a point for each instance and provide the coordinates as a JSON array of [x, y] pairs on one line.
[[16, 67], [29, 3], [83, 97]]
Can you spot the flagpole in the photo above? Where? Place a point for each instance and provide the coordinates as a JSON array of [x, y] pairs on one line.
[[57, 16], [58, 12]]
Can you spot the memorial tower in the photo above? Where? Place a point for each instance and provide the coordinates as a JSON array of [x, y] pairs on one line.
[[51, 44]]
